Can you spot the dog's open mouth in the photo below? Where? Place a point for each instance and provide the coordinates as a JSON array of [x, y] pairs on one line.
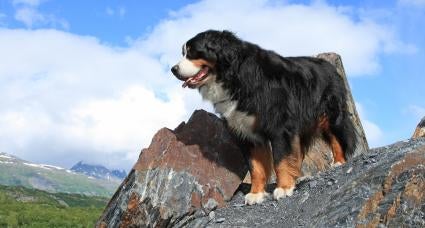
[[197, 78]]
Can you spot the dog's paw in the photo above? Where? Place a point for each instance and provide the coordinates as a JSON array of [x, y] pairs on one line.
[[279, 193], [336, 164], [255, 198]]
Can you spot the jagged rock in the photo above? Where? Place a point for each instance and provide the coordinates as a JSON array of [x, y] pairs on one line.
[[183, 174], [420, 129], [383, 188]]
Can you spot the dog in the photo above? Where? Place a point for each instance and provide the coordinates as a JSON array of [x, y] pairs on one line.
[[276, 105]]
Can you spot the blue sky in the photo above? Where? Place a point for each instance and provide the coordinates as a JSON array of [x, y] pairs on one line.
[[89, 80]]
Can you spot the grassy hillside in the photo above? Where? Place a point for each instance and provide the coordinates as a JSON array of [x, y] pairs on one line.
[[23, 207], [17, 172]]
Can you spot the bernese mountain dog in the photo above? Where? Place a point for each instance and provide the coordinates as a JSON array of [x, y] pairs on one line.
[[276, 105]]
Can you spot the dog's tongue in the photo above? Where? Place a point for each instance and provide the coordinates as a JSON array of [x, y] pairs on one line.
[[195, 79]]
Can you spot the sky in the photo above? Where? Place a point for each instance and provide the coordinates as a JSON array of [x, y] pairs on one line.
[[90, 80]]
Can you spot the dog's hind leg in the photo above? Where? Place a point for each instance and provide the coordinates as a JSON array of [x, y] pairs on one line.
[[341, 137], [260, 160]]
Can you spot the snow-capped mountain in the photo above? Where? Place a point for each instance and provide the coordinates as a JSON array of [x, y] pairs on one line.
[[18, 172], [98, 171]]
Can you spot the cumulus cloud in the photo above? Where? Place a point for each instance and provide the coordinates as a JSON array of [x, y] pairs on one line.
[[373, 132], [67, 97], [64, 92], [289, 29]]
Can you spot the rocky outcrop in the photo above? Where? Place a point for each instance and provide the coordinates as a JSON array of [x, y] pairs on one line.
[[383, 188], [184, 174], [420, 129]]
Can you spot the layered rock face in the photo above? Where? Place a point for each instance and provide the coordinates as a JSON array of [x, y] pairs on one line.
[[383, 188], [184, 174]]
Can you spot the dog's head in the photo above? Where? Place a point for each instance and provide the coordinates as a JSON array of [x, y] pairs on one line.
[[201, 54]]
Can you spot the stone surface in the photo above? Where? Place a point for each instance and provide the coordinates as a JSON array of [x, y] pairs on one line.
[[184, 174], [420, 129], [383, 188]]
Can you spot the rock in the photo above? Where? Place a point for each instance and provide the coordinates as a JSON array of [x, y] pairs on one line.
[[385, 193], [420, 129], [184, 174]]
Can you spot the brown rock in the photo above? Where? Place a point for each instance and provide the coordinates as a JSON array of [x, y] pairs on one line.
[[420, 129], [183, 174]]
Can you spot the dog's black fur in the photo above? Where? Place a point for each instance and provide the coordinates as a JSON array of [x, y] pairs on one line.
[[287, 95]]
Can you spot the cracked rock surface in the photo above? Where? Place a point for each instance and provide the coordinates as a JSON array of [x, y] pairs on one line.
[[184, 174], [381, 188]]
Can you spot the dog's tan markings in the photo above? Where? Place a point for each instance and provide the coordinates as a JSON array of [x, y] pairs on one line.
[[288, 170], [323, 123], [202, 62], [337, 152], [261, 161]]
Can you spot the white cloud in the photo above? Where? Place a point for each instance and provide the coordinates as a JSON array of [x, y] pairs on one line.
[[64, 92], [28, 13], [289, 29], [374, 134], [70, 96], [415, 3]]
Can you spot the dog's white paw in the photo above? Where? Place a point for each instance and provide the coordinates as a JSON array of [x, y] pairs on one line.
[[255, 198], [279, 193], [336, 164]]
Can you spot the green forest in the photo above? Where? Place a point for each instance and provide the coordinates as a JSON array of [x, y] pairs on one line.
[[23, 207]]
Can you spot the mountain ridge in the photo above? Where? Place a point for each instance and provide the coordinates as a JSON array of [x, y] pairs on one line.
[[15, 171], [98, 171]]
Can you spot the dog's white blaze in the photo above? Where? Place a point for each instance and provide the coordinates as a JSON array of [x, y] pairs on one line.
[[240, 122], [187, 69]]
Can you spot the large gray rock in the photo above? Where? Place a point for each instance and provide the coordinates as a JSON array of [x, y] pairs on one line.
[[383, 188], [184, 174], [420, 129]]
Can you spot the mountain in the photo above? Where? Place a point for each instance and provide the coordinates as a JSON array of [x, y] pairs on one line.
[[17, 172], [24, 207], [98, 171]]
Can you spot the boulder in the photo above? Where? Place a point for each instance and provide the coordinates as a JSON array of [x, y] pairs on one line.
[[420, 129], [184, 174], [381, 188]]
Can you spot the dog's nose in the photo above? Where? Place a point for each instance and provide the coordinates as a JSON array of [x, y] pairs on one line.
[[175, 69]]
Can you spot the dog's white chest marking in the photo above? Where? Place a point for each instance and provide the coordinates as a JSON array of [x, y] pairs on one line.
[[240, 122]]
